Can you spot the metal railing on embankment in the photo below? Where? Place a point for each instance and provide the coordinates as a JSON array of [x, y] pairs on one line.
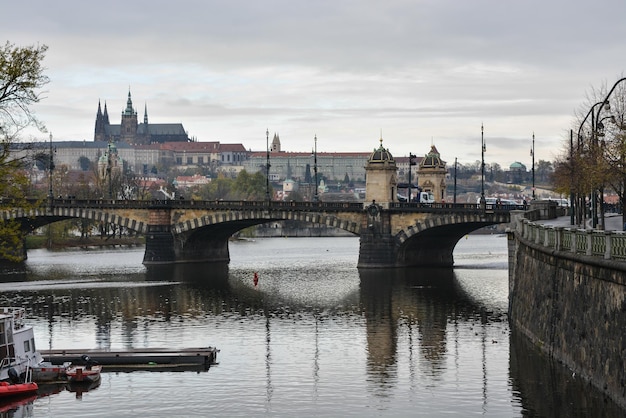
[[610, 245]]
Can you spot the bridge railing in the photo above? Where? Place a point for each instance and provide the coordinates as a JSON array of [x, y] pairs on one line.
[[207, 204], [456, 207], [271, 205], [610, 245]]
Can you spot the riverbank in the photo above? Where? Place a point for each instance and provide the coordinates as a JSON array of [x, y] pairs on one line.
[[41, 241]]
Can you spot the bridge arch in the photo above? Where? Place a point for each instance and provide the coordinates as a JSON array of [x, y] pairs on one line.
[[206, 237], [37, 217], [431, 242], [243, 219]]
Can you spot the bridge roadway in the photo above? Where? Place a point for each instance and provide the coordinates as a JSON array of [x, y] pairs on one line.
[[180, 231]]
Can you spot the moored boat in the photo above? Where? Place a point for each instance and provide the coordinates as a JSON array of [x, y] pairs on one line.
[[17, 389], [48, 372], [17, 343], [85, 374], [84, 370]]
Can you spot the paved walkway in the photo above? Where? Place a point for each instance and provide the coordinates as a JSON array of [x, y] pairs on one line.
[[613, 222]]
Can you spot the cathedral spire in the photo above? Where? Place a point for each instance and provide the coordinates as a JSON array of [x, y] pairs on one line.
[[106, 113], [129, 105], [145, 114], [102, 123]]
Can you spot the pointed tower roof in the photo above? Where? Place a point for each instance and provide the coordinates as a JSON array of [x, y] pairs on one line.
[[276, 143], [129, 111], [106, 113], [433, 159]]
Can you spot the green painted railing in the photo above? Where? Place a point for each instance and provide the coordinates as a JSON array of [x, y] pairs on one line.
[[610, 245]]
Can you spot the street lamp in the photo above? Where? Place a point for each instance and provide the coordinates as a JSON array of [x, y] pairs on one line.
[[267, 166], [109, 171], [571, 188], [596, 125], [316, 198], [455, 168], [532, 154], [411, 164], [596, 128], [50, 169], [594, 216], [482, 167]]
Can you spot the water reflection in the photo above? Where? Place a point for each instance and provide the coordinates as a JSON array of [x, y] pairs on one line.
[[423, 300], [547, 389], [411, 333], [80, 388], [203, 275]]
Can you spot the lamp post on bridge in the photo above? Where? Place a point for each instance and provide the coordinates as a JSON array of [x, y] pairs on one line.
[[482, 168], [316, 197], [50, 169], [532, 154], [455, 168], [267, 166], [110, 171], [411, 164]]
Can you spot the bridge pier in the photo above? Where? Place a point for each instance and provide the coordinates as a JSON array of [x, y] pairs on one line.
[[201, 247], [159, 238], [163, 246], [159, 245], [377, 246]]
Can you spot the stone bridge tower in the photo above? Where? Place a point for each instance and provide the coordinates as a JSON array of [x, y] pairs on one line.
[[431, 175], [377, 245], [381, 177]]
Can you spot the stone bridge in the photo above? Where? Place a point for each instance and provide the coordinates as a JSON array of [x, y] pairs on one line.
[[180, 231]]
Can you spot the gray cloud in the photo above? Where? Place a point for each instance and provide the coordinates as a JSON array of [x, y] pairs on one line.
[[420, 70]]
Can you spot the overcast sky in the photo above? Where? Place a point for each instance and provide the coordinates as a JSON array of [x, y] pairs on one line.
[[417, 71]]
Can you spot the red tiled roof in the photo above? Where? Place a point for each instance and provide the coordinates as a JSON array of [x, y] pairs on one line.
[[308, 154], [232, 148], [191, 146]]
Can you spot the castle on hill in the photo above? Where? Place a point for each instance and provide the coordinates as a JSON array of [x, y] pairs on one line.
[[132, 132]]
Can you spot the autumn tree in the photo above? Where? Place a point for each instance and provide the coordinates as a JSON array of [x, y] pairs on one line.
[[595, 153], [21, 78]]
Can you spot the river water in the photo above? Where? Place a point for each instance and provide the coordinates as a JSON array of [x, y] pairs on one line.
[[316, 337]]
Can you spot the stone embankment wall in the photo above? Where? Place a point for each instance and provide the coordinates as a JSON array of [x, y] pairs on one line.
[[570, 302]]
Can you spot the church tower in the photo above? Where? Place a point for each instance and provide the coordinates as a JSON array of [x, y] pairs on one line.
[[102, 124], [128, 127], [431, 175], [275, 147], [143, 134]]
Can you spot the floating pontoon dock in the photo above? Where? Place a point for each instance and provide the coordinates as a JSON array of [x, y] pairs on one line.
[[140, 358]]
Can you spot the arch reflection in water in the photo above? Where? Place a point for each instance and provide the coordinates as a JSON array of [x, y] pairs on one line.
[[423, 301], [209, 275]]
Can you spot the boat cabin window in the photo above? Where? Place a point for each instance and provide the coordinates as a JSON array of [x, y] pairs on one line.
[[26, 346], [32, 344]]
